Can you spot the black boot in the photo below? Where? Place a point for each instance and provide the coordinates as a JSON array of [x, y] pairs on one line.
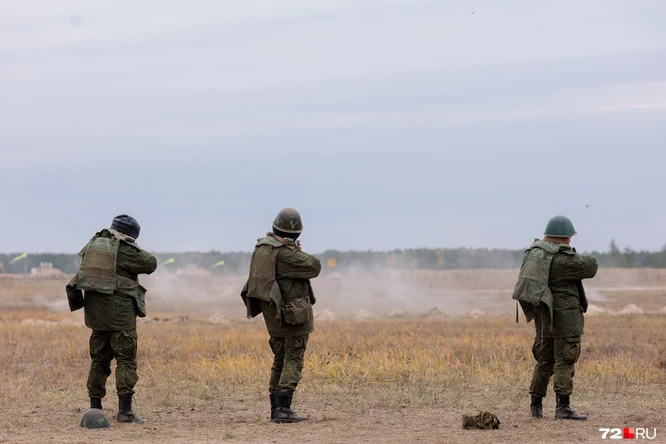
[[563, 411], [536, 407], [125, 413], [273, 407], [96, 403], [283, 411]]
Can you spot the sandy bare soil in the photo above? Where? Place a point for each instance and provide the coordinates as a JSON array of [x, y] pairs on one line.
[[402, 373], [344, 417]]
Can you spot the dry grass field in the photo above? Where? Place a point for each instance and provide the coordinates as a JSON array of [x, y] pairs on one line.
[[405, 378]]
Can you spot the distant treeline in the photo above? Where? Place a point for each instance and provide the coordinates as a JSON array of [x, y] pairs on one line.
[[419, 258]]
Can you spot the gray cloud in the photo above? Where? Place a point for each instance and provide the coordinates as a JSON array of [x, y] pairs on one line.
[[389, 124]]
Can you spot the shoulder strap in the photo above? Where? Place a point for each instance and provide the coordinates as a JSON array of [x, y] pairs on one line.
[[281, 239]]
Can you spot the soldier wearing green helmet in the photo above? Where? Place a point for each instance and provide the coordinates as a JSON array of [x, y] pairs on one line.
[[550, 291], [279, 287]]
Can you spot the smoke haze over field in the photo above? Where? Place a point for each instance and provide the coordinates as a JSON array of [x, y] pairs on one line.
[[389, 124], [354, 294]]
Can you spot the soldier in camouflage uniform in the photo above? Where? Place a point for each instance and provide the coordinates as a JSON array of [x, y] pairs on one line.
[[108, 289], [550, 291], [279, 288]]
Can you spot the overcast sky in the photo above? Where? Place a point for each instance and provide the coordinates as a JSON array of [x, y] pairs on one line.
[[387, 123]]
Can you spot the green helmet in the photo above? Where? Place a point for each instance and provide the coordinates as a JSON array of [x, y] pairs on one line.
[[560, 226], [288, 221], [95, 419]]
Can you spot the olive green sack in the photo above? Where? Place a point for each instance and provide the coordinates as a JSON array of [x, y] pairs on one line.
[[532, 287], [262, 284], [484, 421]]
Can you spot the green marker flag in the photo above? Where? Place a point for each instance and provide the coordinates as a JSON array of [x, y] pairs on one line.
[[168, 261], [18, 258], [217, 264]]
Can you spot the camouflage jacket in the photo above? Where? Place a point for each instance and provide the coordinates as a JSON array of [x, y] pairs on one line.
[[118, 311], [566, 271], [279, 286]]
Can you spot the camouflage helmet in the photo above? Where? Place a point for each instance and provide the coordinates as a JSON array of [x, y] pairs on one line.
[[95, 419], [560, 226], [288, 221], [126, 225]]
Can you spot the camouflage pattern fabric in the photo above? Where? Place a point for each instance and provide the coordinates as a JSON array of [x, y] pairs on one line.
[[261, 283], [557, 344], [567, 270], [484, 420], [555, 357], [532, 289], [286, 289], [287, 362], [293, 271], [98, 265], [118, 311], [104, 347]]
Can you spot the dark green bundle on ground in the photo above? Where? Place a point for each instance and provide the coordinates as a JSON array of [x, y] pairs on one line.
[[484, 420]]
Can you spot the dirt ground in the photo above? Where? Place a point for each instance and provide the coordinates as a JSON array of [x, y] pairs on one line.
[[341, 418], [404, 373]]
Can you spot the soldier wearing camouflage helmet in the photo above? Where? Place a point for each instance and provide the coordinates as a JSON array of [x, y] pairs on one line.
[[107, 288], [550, 291], [279, 287]]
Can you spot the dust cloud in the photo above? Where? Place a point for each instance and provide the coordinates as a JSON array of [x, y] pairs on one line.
[[360, 294], [354, 294]]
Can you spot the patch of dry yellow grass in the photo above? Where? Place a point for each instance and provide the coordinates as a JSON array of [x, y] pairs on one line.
[[198, 361]]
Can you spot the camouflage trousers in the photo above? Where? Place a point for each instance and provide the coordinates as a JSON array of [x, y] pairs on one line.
[[555, 357], [104, 347], [287, 362]]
